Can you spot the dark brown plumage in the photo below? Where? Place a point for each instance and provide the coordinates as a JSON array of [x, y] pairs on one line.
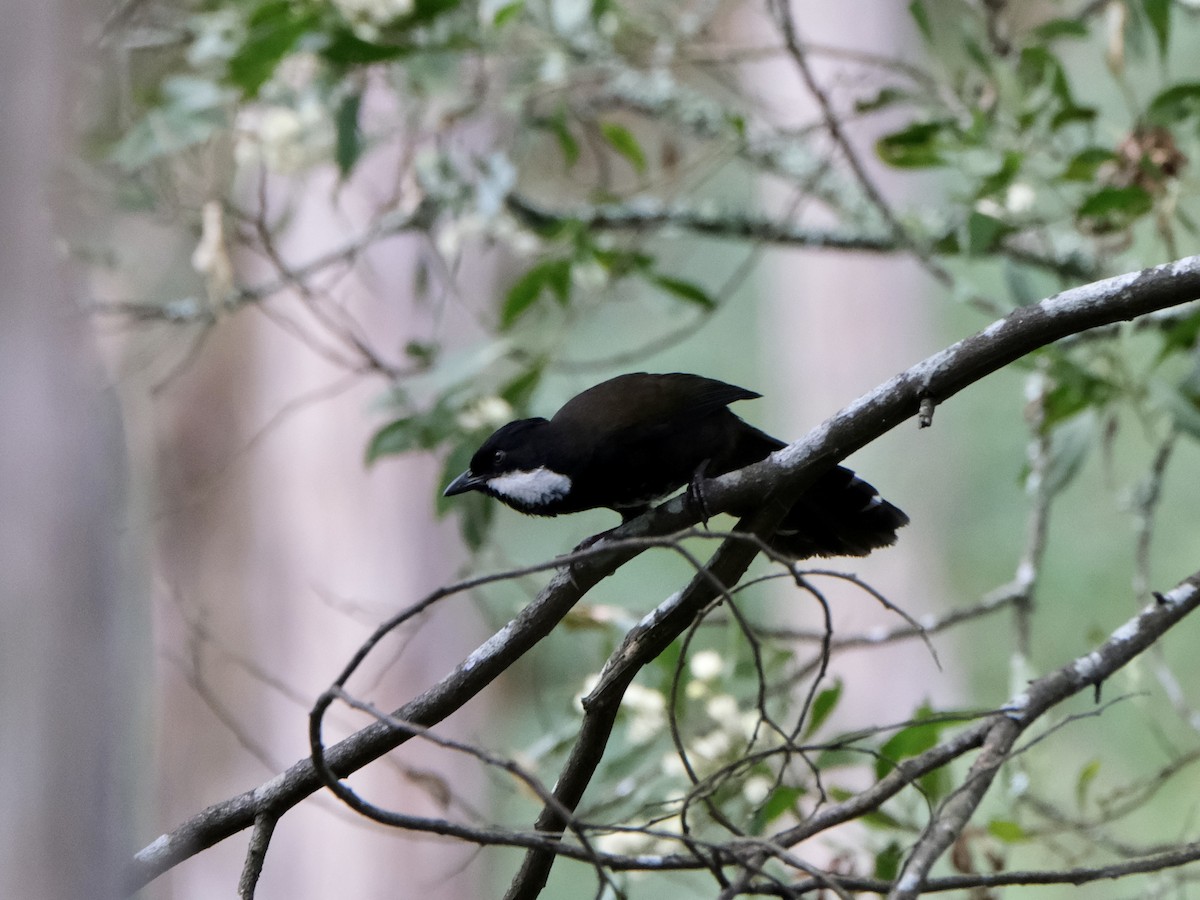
[[635, 439]]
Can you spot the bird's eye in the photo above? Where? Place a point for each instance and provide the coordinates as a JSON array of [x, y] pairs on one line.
[[498, 457]]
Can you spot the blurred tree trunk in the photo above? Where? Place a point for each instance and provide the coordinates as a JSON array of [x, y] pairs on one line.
[[67, 624], [838, 324]]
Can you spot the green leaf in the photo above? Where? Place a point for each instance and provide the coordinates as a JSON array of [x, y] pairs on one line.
[[916, 738], [475, 513], [1020, 284], [1114, 208], [779, 801], [622, 140], [1007, 831], [345, 48], [883, 98], [558, 279], [887, 862], [1181, 336], [1174, 105], [553, 275], [619, 263], [395, 437], [1039, 72], [425, 11], [1072, 114], [916, 9], [1054, 29], [1070, 443], [917, 146], [1003, 176], [685, 290], [190, 112], [474, 510], [567, 145], [1086, 776], [984, 232], [1182, 405], [823, 704], [507, 13], [518, 392], [1159, 14], [349, 136], [1084, 164], [1075, 389], [418, 432], [667, 662], [457, 462], [275, 27]]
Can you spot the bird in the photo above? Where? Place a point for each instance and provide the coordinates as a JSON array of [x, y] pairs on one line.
[[635, 439]]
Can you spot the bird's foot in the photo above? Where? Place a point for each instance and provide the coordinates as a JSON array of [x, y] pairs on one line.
[[694, 500]]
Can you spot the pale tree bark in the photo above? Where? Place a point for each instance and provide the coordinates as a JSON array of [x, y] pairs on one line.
[[278, 551], [70, 623], [833, 325]]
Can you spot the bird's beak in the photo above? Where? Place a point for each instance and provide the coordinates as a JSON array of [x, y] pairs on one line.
[[467, 481]]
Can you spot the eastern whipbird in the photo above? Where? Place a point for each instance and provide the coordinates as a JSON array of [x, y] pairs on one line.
[[635, 439]]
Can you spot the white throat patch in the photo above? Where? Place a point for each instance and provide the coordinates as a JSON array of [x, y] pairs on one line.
[[532, 489]]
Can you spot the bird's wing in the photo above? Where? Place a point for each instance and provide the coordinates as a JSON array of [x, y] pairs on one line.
[[646, 401]]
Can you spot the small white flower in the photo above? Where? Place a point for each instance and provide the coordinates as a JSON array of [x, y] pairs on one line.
[[286, 139], [523, 242], [490, 411], [589, 275], [589, 685], [1020, 197], [553, 70], [672, 766], [216, 37], [750, 725], [373, 12], [1018, 784], [723, 709], [455, 232], [706, 665], [990, 207], [757, 788], [608, 24], [624, 843], [712, 746], [649, 713]]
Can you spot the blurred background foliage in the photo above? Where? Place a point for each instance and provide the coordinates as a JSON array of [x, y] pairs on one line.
[[623, 177]]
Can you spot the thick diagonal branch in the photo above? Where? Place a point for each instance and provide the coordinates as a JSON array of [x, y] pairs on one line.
[[934, 380]]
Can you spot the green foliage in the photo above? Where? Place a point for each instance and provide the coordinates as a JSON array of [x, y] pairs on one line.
[[917, 146], [911, 741], [622, 140], [1083, 783], [553, 276], [190, 111], [349, 136], [1115, 208], [823, 704], [274, 29], [1158, 13], [887, 861], [1007, 831]]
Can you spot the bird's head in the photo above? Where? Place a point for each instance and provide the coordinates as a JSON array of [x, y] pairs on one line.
[[514, 466]]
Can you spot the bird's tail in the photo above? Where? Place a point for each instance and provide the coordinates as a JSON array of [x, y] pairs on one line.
[[840, 515]]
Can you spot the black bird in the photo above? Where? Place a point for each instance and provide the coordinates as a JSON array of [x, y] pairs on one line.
[[637, 438]]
